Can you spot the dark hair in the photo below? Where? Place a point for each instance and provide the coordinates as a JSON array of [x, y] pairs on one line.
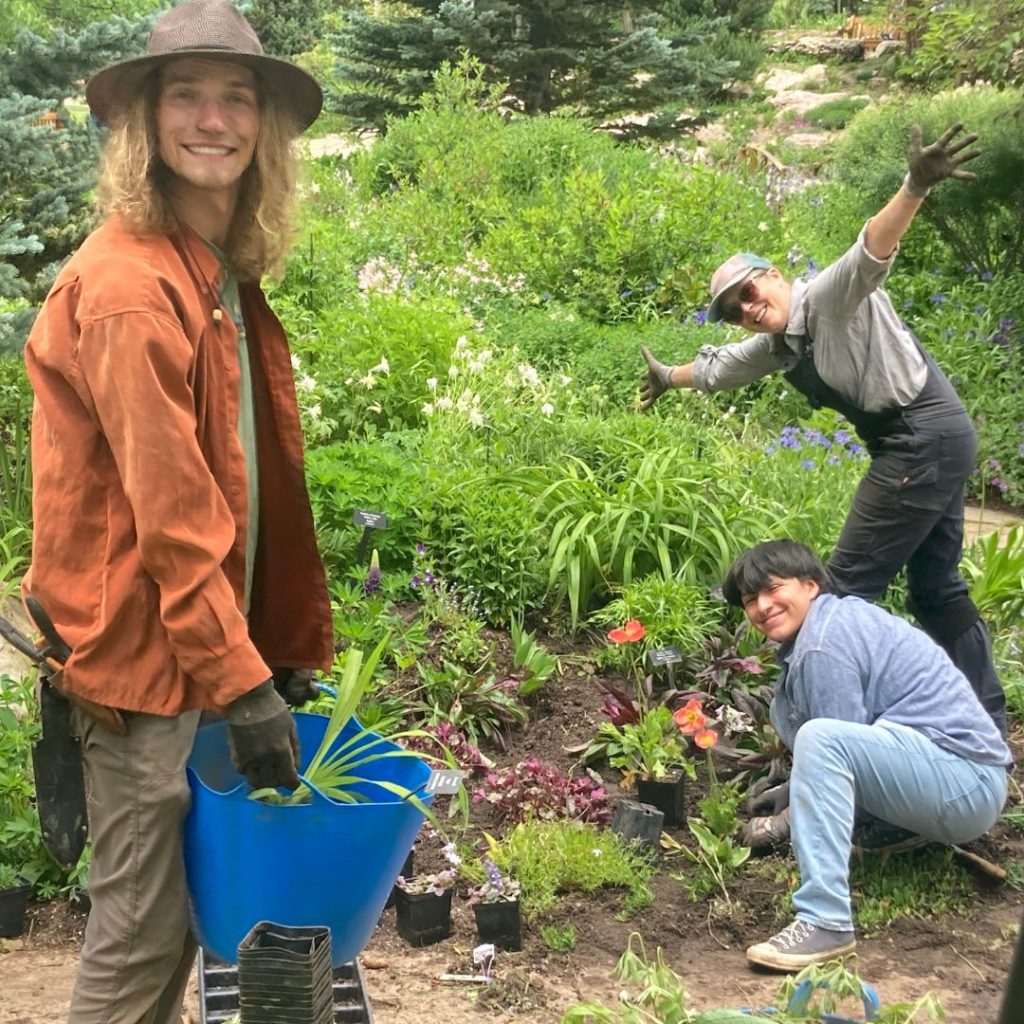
[[783, 559]]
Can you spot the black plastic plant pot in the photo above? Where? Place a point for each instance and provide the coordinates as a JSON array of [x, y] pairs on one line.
[[13, 903], [500, 923], [284, 975], [639, 823], [423, 918], [666, 795]]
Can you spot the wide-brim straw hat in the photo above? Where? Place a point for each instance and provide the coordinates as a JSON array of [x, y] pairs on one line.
[[211, 29]]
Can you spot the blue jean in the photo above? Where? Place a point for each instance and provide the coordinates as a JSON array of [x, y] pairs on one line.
[[893, 772]]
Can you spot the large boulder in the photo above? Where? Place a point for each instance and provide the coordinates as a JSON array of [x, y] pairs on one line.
[[822, 47]]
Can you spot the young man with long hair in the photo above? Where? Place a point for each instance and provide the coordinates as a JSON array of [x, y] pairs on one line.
[[174, 546]]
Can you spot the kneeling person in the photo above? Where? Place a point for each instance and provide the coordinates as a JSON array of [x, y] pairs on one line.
[[879, 720]]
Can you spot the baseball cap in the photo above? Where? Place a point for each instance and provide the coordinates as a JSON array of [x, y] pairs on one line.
[[730, 273]]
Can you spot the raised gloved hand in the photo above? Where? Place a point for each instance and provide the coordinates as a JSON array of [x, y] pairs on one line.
[[656, 379], [929, 165], [761, 797], [295, 685], [262, 737], [765, 833]]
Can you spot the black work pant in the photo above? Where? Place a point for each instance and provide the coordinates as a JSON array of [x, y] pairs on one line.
[[908, 511]]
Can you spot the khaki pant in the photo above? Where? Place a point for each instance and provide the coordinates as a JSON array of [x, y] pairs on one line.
[[138, 948]]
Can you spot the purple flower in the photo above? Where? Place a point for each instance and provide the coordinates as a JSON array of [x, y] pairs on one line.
[[832, 460], [842, 437], [421, 549], [788, 441], [371, 585], [985, 275], [701, 316], [428, 578], [992, 465], [415, 581], [999, 484], [771, 449], [807, 464], [938, 298]]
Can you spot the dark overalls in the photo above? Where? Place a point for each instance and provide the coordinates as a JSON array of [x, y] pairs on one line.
[[908, 510]]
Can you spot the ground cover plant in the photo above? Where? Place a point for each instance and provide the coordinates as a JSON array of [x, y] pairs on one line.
[[466, 307]]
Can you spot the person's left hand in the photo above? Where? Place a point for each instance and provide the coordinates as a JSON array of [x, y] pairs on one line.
[[929, 165], [295, 685]]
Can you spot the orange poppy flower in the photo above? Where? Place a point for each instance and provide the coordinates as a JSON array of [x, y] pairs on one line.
[[705, 738], [630, 632], [690, 717]]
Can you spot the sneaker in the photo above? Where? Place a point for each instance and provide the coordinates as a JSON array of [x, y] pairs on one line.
[[799, 945], [872, 835]]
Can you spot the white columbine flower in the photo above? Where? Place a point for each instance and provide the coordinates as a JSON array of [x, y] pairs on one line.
[[566, 381], [476, 418], [382, 366], [529, 376], [428, 409], [431, 384], [368, 381], [461, 342], [444, 402], [306, 383], [547, 408], [296, 364], [313, 412], [453, 372]]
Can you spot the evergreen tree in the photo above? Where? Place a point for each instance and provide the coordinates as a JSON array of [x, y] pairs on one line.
[[597, 58], [287, 27], [47, 157]]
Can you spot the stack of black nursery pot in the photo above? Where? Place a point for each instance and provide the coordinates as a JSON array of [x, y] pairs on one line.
[[284, 975]]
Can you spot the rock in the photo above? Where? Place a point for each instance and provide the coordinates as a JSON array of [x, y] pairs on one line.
[[824, 47], [800, 100], [808, 140], [782, 80], [816, 74], [888, 46]]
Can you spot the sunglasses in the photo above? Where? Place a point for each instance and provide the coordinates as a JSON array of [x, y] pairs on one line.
[[733, 312]]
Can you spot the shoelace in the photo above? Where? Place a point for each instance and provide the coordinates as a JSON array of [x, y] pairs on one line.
[[792, 935]]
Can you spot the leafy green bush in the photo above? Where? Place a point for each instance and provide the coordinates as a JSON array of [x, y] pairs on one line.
[[980, 222], [835, 114]]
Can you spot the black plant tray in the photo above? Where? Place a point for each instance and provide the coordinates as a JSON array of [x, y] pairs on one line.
[[219, 999]]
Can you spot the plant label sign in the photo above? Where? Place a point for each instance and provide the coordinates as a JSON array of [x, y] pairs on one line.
[[664, 656], [445, 781], [369, 520]]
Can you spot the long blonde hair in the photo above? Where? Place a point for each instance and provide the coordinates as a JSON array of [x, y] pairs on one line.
[[132, 179]]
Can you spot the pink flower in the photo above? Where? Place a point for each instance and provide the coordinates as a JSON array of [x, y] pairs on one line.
[[705, 738], [690, 717]]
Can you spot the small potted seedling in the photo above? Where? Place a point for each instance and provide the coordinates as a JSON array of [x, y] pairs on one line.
[[423, 903], [14, 893], [495, 905]]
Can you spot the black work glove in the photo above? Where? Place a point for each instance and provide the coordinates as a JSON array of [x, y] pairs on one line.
[[766, 833], [296, 685], [262, 737], [935, 163], [655, 381], [764, 798]]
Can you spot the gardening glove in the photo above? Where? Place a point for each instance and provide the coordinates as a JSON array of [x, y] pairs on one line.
[[762, 797], [655, 381], [932, 164], [766, 833], [297, 686], [262, 737]]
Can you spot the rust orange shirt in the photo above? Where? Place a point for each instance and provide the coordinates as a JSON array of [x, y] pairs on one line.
[[139, 493]]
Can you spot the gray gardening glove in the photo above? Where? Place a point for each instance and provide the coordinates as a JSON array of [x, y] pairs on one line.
[[932, 164], [762, 797], [766, 833], [262, 737], [297, 686], [656, 379]]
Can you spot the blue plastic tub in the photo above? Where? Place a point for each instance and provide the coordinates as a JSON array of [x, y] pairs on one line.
[[321, 863]]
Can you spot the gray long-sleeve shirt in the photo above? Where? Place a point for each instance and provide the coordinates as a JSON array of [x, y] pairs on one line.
[[855, 662], [861, 348]]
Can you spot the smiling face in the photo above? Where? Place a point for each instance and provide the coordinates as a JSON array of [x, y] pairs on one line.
[[778, 610], [207, 119], [759, 303]]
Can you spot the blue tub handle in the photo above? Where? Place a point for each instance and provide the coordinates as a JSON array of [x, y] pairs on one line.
[[802, 996]]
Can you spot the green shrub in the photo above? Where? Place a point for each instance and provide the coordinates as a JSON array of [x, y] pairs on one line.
[[980, 222], [835, 114]]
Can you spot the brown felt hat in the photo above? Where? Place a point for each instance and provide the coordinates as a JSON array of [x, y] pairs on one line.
[[210, 29]]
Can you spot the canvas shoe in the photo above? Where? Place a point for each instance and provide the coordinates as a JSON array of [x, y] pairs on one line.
[[799, 945], [872, 835]]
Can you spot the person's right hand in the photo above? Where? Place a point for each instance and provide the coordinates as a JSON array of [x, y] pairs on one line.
[[656, 379], [766, 833], [262, 737]]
